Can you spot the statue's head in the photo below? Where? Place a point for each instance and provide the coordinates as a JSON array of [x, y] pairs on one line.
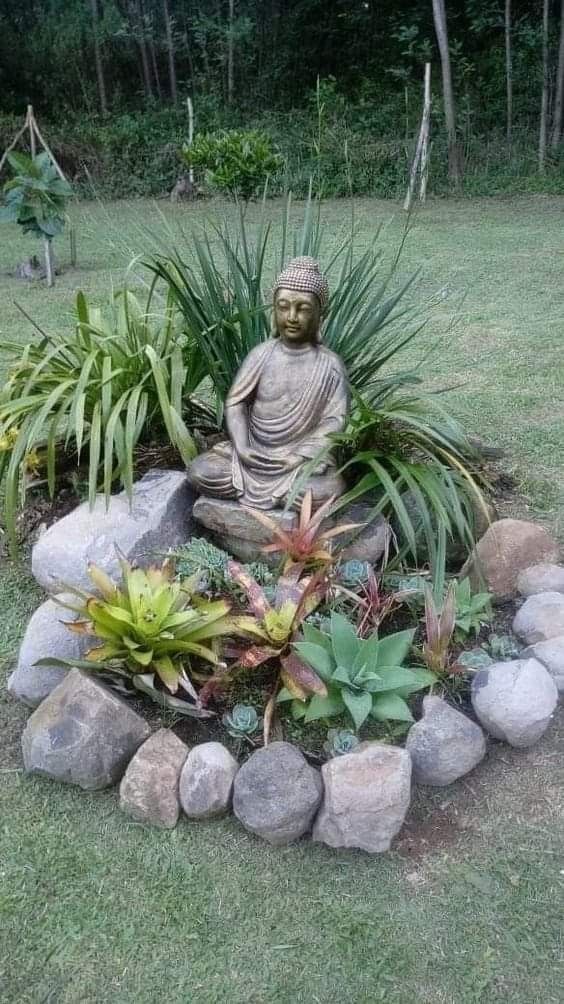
[[301, 293]]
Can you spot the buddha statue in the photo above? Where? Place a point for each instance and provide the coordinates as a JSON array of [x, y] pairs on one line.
[[289, 395]]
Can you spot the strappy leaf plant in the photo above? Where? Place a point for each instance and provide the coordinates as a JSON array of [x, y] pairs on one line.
[[124, 375]]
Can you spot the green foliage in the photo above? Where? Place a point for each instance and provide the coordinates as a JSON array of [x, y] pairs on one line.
[[153, 625], [123, 375], [439, 630], [241, 721], [364, 676], [36, 197], [339, 742], [474, 659], [237, 163], [472, 610]]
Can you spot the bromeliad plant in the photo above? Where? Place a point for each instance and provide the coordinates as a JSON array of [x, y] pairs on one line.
[[307, 545], [473, 610], [365, 677], [125, 375], [271, 628], [153, 626]]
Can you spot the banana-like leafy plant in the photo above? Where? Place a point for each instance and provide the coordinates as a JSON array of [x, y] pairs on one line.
[[152, 626], [363, 676]]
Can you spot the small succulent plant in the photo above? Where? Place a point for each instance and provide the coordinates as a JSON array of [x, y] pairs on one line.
[[340, 741], [353, 572], [474, 659], [503, 647], [241, 721]]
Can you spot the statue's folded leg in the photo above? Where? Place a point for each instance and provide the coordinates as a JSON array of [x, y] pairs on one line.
[[323, 487], [211, 474]]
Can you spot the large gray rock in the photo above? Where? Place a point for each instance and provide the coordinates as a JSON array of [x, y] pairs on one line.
[[366, 798], [540, 618], [276, 793], [46, 635], [545, 578], [149, 788], [551, 654], [235, 529], [159, 518], [206, 782], [444, 745], [508, 547], [82, 734], [514, 700]]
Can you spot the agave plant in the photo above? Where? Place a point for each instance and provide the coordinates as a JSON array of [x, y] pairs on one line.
[[307, 545], [363, 676], [152, 626]]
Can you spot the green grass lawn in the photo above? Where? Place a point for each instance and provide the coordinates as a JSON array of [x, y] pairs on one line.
[[468, 907]]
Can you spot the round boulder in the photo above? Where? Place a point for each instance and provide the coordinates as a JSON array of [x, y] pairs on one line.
[[445, 744], [507, 548], [540, 618], [277, 793], [551, 654], [206, 781], [544, 578], [514, 700]]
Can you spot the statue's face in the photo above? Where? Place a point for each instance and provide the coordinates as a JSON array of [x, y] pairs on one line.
[[297, 316]]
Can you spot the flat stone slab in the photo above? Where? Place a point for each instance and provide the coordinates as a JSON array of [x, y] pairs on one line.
[[46, 635], [160, 517], [235, 529], [149, 788], [83, 734]]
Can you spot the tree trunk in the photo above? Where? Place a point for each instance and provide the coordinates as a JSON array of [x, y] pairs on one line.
[[439, 17], [98, 57], [230, 53], [136, 20], [559, 99], [544, 95], [171, 53], [509, 71], [155, 66]]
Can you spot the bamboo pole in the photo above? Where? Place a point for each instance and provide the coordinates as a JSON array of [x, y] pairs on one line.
[[190, 138], [420, 140]]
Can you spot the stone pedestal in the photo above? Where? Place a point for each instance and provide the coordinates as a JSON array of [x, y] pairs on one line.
[[235, 529]]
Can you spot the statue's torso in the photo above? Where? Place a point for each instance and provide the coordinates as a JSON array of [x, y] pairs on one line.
[[283, 381]]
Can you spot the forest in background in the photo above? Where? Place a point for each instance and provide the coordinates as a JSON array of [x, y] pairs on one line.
[[337, 85]]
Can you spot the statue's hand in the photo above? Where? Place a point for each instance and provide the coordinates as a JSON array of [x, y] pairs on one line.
[[259, 462]]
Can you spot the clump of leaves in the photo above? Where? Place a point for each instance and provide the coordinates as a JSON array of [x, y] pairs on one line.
[[472, 610], [340, 742], [152, 626], [307, 545], [363, 676], [241, 721], [236, 162], [35, 198]]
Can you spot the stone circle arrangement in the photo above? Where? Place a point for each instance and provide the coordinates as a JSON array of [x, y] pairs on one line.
[[84, 733]]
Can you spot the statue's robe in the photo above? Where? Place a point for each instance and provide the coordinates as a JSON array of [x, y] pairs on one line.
[[295, 399]]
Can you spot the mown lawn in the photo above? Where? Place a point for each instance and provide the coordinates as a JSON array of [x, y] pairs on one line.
[[468, 908]]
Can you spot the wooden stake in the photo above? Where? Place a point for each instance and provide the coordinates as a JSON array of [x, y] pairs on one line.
[[190, 137], [49, 269], [29, 120], [426, 127], [72, 236]]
